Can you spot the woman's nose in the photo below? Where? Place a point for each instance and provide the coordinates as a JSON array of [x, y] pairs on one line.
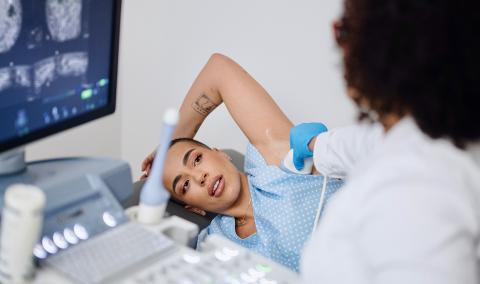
[[203, 179]]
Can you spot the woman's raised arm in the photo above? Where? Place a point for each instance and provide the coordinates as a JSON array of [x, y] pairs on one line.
[[222, 80]]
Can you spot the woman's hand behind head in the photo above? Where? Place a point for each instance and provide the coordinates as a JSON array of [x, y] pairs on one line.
[[147, 165]]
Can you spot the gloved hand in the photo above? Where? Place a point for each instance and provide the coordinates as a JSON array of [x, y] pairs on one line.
[[300, 136]]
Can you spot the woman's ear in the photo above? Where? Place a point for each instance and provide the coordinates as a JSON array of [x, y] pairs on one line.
[[196, 210]]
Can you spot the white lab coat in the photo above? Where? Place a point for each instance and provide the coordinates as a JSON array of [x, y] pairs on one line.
[[408, 213]]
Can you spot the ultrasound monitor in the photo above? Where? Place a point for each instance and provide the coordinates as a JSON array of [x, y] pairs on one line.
[[58, 69], [58, 63]]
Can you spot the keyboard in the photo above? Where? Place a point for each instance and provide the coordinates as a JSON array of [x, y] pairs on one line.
[[218, 261], [110, 254]]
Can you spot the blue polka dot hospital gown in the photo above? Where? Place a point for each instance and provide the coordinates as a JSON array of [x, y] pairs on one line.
[[285, 207]]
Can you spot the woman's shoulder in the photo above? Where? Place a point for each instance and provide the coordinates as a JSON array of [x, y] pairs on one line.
[[272, 153], [253, 158], [268, 181]]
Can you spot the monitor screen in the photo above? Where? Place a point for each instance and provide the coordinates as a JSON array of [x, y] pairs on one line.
[[58, 65]]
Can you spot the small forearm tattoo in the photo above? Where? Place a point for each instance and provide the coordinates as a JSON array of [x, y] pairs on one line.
[[203, 105]]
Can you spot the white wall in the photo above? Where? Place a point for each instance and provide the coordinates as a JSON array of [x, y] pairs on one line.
[[286, 45]]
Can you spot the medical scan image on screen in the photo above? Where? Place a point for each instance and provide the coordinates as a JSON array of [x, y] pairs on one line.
[[54, 62]]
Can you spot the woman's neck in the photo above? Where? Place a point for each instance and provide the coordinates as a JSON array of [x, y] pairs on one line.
[[244, 219], [242, 207]]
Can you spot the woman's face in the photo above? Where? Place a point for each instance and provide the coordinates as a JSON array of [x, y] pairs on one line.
[[201, 177]]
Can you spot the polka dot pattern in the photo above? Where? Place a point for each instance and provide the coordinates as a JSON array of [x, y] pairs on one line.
[[285, 206]]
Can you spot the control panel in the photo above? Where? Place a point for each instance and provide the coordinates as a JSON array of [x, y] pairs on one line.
[[77, 212]]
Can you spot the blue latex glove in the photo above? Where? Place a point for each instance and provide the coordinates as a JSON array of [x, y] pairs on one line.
[[300, 136]]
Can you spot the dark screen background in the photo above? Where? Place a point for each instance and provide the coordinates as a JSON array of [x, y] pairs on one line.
[[28, 109]]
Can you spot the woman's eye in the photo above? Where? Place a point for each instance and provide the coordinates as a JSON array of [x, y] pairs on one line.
[[197, 160], [185, 187]]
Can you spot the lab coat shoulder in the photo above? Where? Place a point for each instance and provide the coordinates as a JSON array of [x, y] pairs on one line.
[[338, 150]]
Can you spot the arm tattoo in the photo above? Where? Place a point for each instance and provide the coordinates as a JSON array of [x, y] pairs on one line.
[[203, 105]]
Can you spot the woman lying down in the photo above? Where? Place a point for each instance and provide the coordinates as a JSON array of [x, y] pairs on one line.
[[264, 208]]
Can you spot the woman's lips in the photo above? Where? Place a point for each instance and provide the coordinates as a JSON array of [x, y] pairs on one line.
[[217, 186], [220, 187]]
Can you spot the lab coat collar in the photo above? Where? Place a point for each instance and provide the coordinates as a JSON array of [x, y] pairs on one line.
[[401, 130], [406, 131], [407, 126]]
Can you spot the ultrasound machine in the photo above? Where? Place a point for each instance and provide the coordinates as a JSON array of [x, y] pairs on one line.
[[58, 70]]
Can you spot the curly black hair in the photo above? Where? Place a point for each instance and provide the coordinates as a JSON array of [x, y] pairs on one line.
[[417, 57]]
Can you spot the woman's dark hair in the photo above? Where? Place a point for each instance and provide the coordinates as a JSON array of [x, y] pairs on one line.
[[186, 139], [417, 57]]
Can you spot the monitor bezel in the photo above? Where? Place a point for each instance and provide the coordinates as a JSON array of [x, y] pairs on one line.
[[91, 115]]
